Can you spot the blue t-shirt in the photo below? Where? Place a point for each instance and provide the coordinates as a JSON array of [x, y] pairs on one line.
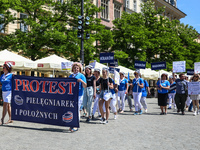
[[112, 90], [122, 85], [6, 81], [136, 88], [173, 91], [164, 83], [144, 89], [80, 76]]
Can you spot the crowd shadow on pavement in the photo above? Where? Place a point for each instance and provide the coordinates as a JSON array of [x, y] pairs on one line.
[[39, 129]]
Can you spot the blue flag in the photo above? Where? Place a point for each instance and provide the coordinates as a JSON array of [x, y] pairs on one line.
[[128, 77]]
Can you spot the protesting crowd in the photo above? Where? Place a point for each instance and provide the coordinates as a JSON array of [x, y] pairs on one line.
[[106, 94], [102, 94]]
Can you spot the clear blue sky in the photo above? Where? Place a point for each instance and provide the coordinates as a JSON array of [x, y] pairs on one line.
[[192, 9]]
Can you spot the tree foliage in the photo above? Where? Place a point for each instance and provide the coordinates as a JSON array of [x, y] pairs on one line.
[[52, 28], [149, 36]]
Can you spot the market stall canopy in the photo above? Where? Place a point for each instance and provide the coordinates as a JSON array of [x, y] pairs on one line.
[[100, 66], [149, 74], [18, 62], [126, 70], [50, 63]]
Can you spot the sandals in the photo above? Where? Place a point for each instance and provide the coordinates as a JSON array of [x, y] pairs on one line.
[[73, 129], [9, 121], [84, 115]]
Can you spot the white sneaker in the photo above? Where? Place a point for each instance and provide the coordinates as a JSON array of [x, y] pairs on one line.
[[102, 120], [115, 117], [105, 122], [174, 109], [145, 110], [194, 113]]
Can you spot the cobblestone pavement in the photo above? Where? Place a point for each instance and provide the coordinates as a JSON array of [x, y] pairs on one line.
[[148, 131]]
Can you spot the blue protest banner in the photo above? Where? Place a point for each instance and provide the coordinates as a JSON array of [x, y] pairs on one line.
[[114, 64], [158, 65], [111, 70], [106, 57], [190, 71], [140, 64], [52, 101]]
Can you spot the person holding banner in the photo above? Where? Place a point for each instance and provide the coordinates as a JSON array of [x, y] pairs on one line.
[[138, 84], [172, 93], [96, 100], [106, 84], [163, 86], [6, 80], [122, 91], [195, 98], [76, 69], [89, 92]]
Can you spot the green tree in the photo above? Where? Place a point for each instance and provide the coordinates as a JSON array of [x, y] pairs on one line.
[[149, 36], [50, 27]]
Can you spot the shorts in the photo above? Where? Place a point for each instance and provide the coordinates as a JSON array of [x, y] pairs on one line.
[[105, 95], [6, 96]]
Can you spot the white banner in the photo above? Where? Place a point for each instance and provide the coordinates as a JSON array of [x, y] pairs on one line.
[[93, 63], [193, 88], [179, 66], [117, 77], [197, 67], [66, 66]]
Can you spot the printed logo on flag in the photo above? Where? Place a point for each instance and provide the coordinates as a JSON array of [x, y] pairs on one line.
[[18, 100], [67, 117]]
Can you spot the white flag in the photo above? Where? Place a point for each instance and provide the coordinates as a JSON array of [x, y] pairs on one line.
[[117, 77]]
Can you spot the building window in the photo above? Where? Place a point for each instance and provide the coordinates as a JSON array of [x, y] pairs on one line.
[[127, 3], [172, 2], [23, 26], [1, 25], [135, 5], [117, 8], [105, 11]]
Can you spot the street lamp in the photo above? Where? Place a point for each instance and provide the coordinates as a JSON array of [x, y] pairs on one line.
[[81, 31]]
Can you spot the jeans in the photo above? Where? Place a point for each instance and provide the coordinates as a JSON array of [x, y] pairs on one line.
[[87, 99], [130, 103]]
